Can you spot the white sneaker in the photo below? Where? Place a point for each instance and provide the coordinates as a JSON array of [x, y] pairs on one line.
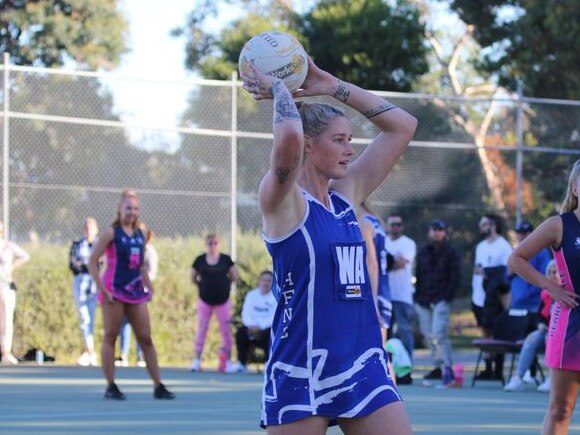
[[528, 378], [515, 384], [122, 362], [84, 360], [9, 359], [141, 363], [196, 365], [545, 386], [236, 368], [93, 360]]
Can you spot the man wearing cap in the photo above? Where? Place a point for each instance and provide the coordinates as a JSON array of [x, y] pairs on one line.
[[523, 294], [438, 275]]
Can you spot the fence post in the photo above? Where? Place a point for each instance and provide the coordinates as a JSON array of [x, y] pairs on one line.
[[5, 147], [234, 168], [519, 152]]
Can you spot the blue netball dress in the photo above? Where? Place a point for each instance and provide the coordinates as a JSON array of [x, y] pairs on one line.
[[326, 356], [123, 274], [384, 300]]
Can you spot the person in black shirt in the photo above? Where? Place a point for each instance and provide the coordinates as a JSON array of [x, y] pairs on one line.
[[213, 273], [438, 275]]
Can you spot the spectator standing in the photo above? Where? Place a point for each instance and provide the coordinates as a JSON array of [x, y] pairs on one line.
[[11, 257], [438, 276], [213, 273], [124, 290], [85, 290], [493, 251], [404, 251], [257, 316], [562, 234]]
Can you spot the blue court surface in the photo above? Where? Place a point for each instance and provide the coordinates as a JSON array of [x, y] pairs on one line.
[[69, 400]]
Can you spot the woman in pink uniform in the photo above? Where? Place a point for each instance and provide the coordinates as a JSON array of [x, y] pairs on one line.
[[562, 234], [124, 290]]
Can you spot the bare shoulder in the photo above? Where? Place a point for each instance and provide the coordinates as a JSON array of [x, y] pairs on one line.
[[106, 236]]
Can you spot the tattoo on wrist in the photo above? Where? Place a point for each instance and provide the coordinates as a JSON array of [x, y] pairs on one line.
[[381, 109], [284, 106], [342, 92]]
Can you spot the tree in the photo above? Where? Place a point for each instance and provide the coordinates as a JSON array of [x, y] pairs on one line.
[[50, 32], [372, 43], [534, 41]]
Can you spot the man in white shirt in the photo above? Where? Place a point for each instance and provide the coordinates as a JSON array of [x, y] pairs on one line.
[[404, 250], [493, 251], [257, 316]]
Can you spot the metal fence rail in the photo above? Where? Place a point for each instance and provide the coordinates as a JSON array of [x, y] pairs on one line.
[[68, 151]]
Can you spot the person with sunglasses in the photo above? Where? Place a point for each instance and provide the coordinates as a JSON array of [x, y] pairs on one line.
[[213, 274], [404, 250]]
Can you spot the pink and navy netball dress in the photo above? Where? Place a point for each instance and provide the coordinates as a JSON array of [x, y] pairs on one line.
[[123, 274], [326, 354], [563, 340]]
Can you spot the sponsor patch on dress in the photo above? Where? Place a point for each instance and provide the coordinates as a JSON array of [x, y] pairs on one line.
[[353, 292]]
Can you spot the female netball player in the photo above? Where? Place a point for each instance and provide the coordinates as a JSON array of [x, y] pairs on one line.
[[124, 290], [562, 234], [327, 364]]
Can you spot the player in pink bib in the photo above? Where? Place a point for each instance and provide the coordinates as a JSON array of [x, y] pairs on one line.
[[562, 234]]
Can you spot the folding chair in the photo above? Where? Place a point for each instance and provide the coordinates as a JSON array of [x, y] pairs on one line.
[[509, 332]]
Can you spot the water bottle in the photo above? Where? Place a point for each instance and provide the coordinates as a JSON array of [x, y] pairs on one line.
[[458, 373], [39, 357]]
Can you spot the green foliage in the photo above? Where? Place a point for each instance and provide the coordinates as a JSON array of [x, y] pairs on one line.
[[369, 43], [372, 43], [49, 32], [46, 316], [535, 41]]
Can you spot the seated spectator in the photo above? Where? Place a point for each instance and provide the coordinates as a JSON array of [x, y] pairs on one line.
[[523, 295], [257, 316], [536, 340], [526, 296]]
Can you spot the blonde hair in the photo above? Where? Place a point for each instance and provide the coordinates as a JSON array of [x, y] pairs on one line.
[[92, 223], [316, 117], [570, 202], [551, 264], [127, 194]]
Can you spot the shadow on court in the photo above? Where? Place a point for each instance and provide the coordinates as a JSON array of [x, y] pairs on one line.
[[66, 399]]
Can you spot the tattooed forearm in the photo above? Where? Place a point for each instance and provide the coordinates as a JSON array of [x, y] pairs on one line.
[[284, 106], [342, 92], [378, 110]]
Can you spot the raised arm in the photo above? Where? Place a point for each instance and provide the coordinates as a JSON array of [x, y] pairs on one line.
[[279, 196], [397, 128]]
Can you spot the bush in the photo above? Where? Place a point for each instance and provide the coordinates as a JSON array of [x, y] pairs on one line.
[[46, 317]]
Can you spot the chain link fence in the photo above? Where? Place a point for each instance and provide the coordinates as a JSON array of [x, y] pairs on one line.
[[69, 151]]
